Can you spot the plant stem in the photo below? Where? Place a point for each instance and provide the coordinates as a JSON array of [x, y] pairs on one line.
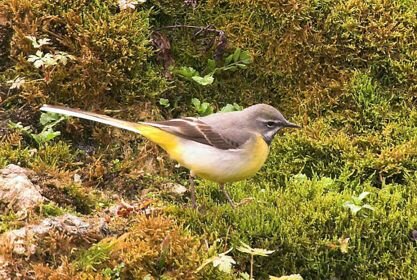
[[200, 28], [251, 267]]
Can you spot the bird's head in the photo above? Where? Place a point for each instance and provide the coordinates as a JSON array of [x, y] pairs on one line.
[[266, 120]]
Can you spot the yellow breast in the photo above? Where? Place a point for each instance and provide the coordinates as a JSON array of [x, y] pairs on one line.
[[255, 157]]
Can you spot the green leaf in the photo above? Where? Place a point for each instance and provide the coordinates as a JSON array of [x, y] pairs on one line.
[[231, 108], [245, 248], [245, 57], [45, 136], [211, 65], [204, 106], [196, 102], [147, 277], [244, 276], [38, 63], [227, 108], [206, 80], [236, 55], [49, 60], [241, 66], [224, 263], [205, 109], [63, 57], [187, 72], [164, 102], [32, 39], [43, 41], [363, 195], [369, 207], [47, 118], [16, 83], [19, 127], [37, 44], [228, 59], [352, 207]]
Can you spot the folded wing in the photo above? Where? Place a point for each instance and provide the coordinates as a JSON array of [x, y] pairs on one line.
[[196, 130]]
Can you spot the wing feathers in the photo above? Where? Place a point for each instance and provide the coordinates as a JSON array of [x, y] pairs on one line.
[[196, 130]]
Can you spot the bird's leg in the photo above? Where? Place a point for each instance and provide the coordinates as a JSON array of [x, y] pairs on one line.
[[227, 195], [192, 190]]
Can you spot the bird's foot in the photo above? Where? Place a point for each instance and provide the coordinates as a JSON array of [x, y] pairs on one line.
[[192, 192], [229, 199]]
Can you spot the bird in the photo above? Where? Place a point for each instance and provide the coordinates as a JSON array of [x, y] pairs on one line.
[[223, 147]]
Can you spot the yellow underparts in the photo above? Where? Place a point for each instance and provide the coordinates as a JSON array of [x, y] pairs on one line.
[[251, 159], [248, 161], [167, 141], [257, 155]]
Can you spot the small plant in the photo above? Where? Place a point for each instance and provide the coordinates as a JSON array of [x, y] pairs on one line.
[[47, 61], [129, 4], [205, 108], [41, 59], [114, 273], [231, 108], [225, 263], [48, 121], [222, 261], [16, 83], [237, 60], [164, 102], [202, 108], [38, 43], [93, 257], [356, 204], [245, 248], [190, 73], [50, 209], [9, 221]]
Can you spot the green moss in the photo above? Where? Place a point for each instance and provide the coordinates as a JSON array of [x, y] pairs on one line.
[[112, 49], [10, 154], [9, 221], [345, 70], [153, 246], [50, 209], [83, 202], [303, 221], [94, 257]]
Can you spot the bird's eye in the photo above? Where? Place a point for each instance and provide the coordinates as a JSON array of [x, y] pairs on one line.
[[270, 124]]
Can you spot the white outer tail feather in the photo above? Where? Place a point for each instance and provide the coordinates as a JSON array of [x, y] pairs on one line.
[[91, 116]]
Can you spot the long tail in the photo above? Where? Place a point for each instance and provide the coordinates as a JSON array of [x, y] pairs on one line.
[[168, 141], [135, 127]]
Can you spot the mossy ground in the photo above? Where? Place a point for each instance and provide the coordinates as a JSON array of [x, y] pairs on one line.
[[344, 70]]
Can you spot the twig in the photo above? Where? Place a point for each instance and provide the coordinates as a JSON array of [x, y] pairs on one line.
[[200, 28]]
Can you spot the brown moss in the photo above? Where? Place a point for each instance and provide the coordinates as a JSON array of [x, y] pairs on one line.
[[153, 246]]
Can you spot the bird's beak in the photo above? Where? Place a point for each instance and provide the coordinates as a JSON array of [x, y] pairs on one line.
[[292, 125]]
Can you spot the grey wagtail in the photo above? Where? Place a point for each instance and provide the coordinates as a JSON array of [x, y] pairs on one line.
[[222, 147]]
